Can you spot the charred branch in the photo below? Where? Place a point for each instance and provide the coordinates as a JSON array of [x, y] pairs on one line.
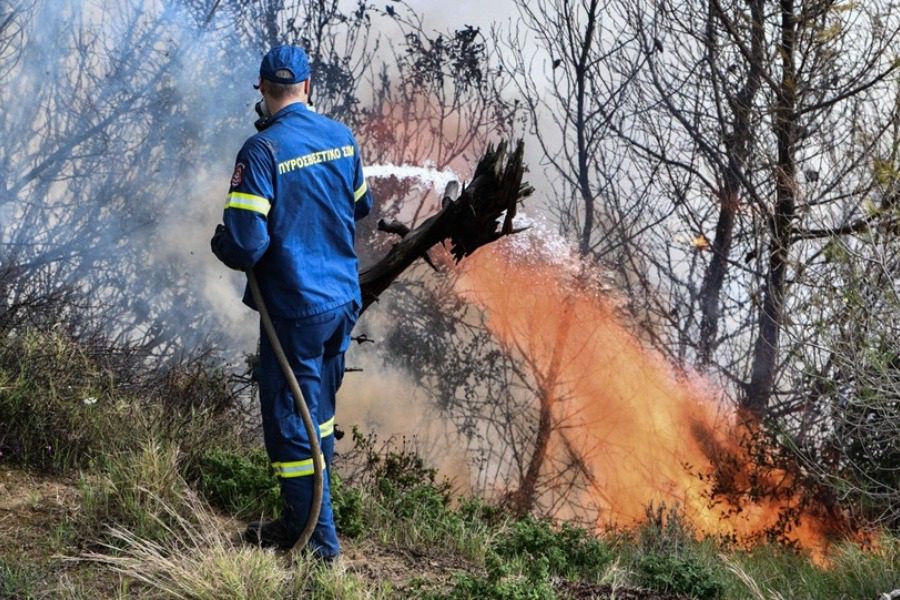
[[395, 227], [858, 226], [469, 222]]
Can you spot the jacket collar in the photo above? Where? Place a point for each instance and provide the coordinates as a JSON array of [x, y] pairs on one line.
[[290, 109]]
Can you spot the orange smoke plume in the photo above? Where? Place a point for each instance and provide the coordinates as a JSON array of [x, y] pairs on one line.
[[648, 434]]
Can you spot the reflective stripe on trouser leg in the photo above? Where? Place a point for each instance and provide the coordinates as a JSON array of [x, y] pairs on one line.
[[296, 468]]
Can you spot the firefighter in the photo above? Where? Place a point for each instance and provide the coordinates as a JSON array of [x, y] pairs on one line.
[[296, 191]]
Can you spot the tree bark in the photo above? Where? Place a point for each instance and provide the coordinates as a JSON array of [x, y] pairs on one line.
[[582, 74], [738, 142], [771, 313]]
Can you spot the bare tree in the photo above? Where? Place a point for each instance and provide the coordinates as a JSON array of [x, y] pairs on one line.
[[569, 92], [729, 149], [745, 104], [13, 16]]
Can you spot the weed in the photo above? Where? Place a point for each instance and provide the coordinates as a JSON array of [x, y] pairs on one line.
[[475, 509], [669, 559], [63, 401], [768, 572], [240, 484], [505, 580], [569, 551], [403, 503], [134, 490], [349, 508], [679, 573], [313, 580], [526, 553], [196, 559], [56, 405], [18, 580], [63, 535]]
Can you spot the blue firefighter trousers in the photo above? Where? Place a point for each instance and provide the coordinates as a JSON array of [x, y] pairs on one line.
[[315, 347]]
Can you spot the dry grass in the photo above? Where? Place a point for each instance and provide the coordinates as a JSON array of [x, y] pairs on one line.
[[193, 557], [752, 586], [196, 559]]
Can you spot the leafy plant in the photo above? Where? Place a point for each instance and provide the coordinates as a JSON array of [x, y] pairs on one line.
[[349, 511], [680, 573], [504, 580], [568, 551], [242, 484], [670, 559]]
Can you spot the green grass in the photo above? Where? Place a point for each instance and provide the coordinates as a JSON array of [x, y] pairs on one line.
[[65, 403], [852, 572], [138, 490], [160, 533], [56, 405], [18, 579]]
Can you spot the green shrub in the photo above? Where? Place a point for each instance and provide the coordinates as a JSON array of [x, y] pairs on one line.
[[241, 484], [505, 580], [680, 573], [407, 487], [399, 500], [669, 558], [476, 510], [349, 510], [569, 551]]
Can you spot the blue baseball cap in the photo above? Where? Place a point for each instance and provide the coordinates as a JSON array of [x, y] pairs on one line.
[[284, 64]]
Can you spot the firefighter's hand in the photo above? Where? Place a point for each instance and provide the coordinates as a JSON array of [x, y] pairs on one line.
[[219, 246]]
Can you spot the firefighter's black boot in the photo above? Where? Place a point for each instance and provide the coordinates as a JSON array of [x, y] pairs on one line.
[[271, 534]]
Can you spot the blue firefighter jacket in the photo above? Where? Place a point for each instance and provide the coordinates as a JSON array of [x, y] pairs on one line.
[[296, 192]]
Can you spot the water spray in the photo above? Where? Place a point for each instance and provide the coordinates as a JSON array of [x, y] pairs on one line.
[[427, 175]]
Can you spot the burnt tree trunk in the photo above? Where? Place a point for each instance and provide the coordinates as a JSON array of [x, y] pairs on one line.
[[470, 221]]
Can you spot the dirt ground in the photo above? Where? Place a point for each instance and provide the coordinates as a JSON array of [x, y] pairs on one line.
[[32, 509], [37, 533]]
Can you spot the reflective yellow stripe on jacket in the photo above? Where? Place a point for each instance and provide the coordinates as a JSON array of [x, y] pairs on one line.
[[248, 202], [360, 191], [327, 428], [297, 468]]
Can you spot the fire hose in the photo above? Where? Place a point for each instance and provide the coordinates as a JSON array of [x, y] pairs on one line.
[[302, 410]]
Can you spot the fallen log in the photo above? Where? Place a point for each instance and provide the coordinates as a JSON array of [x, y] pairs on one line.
[[469, 221]]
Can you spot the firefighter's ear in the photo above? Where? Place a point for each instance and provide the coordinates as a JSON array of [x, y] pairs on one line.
[[306, 87]]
